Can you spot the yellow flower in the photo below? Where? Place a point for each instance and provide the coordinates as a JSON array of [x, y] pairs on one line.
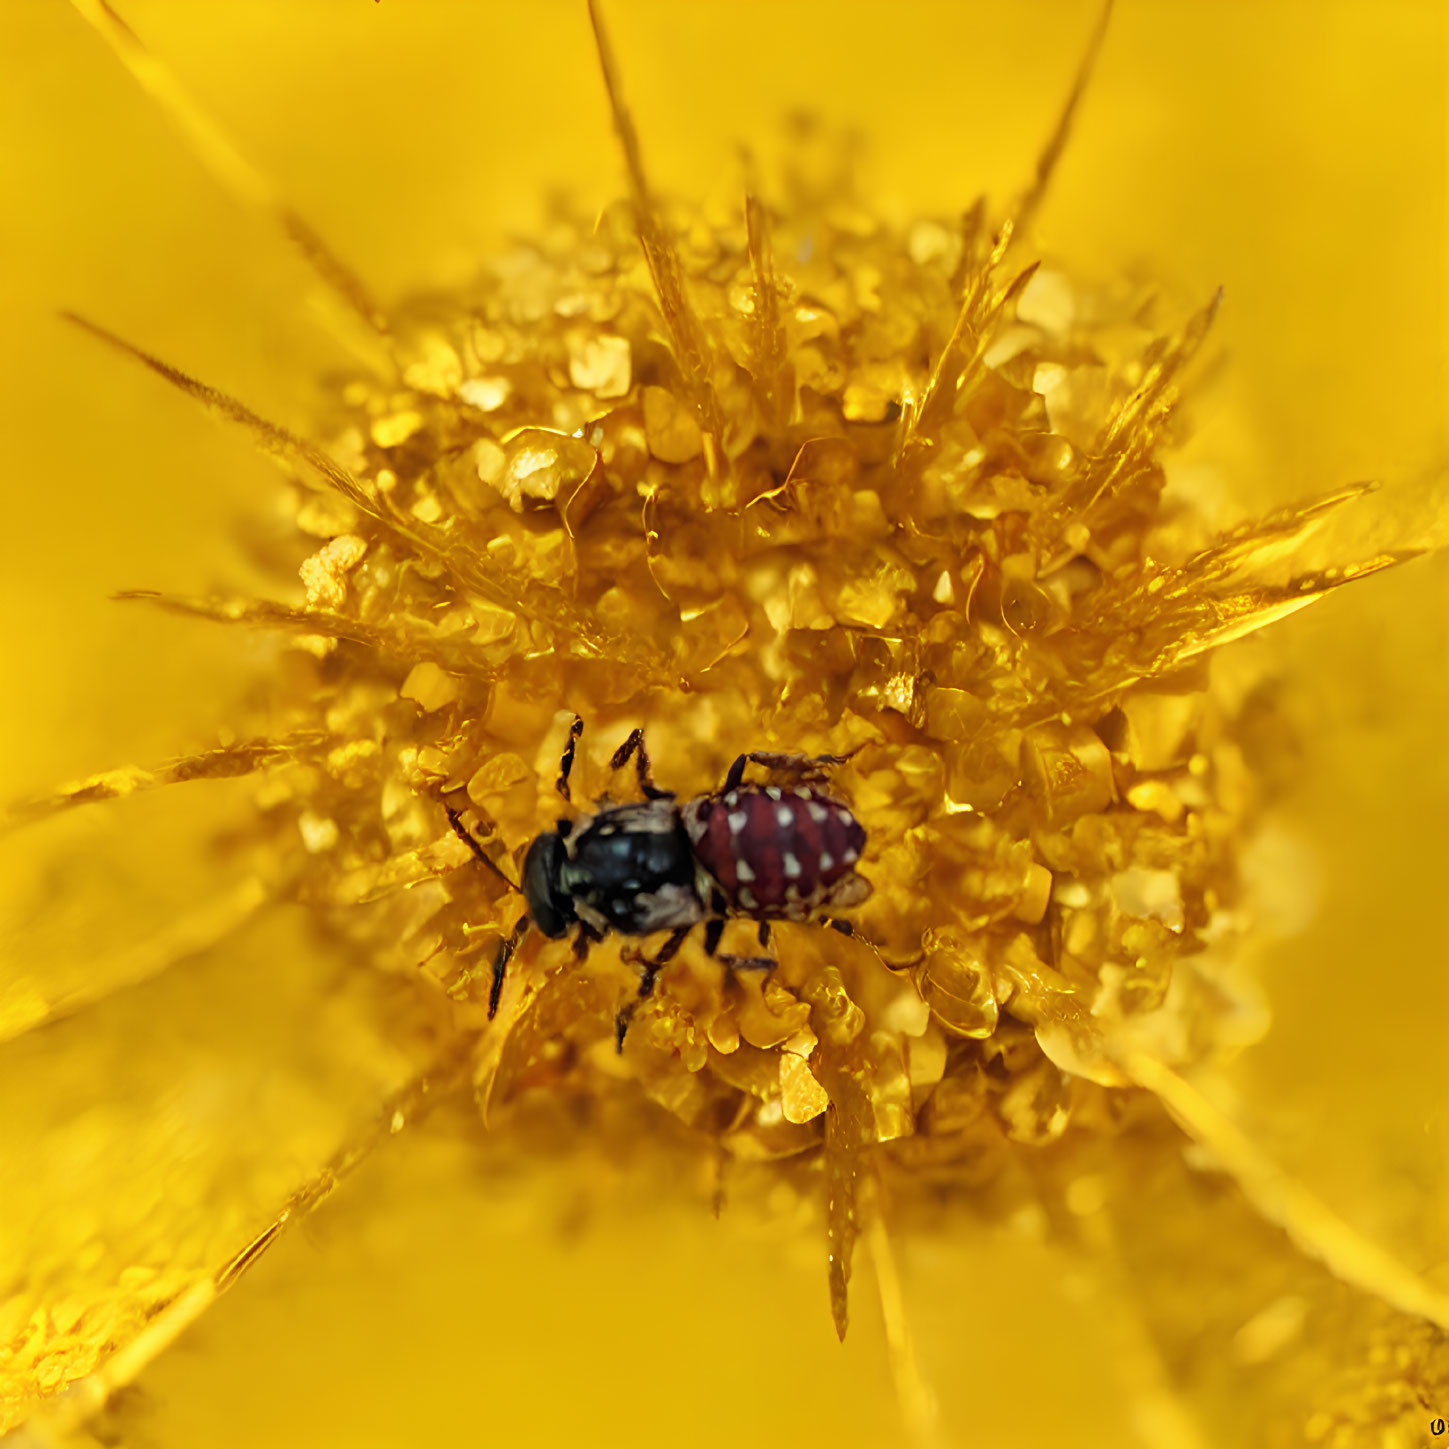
[[805, 472]]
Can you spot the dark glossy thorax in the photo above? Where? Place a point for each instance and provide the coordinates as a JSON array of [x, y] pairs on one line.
[[633, 866]]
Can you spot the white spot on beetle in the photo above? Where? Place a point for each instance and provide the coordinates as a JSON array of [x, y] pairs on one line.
[[738, 820], [819, 814], [846, 818], [827, 861], [747, 898], [773, 791], [784, 816], [732, 799], [851, 856], [791, 865], [743, 871], [792, 893]]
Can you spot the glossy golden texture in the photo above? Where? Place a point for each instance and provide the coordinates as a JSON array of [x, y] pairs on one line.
[[790, 473]]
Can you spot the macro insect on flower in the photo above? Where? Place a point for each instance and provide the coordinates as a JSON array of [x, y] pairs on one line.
[[752, 851], [783, 469]]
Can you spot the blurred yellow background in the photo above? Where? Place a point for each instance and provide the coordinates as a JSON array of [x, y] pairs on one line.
[[1293, 152]]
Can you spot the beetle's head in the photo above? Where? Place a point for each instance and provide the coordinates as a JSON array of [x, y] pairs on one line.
[[549, 903]]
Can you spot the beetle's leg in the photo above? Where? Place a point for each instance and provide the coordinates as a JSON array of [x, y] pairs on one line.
[[802, 767], [506, 947], [748, 963], [635, 746], [649, 970], [715, 930], [586, 937], [807, 767], [667, 952], [566, 764]]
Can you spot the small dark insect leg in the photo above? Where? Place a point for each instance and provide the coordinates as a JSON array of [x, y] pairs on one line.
[[566, 764], [804, 767], [649, 970], [506, 947], [634, 746], [586, 937], [797, 764], [715, 930], [747, 963]]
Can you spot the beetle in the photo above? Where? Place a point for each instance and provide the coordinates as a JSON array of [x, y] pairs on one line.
[[761, 852]]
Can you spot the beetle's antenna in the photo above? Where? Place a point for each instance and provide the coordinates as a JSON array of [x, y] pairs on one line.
[[484, 858], [509, 944]]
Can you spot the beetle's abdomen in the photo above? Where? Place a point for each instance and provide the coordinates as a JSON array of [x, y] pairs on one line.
[[778, 852]]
